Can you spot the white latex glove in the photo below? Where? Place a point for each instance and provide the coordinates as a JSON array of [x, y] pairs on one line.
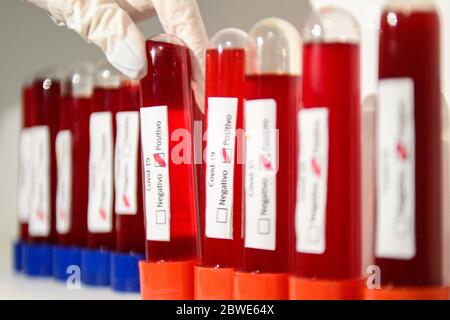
[[110, 24]]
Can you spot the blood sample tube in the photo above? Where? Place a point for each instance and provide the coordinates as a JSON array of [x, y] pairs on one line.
[[220, 220], [42, 222], [273, 78], [130, 231], [327, 260], [169, 174], [72, 153], [408, 237], [24, 172], [101, 237]]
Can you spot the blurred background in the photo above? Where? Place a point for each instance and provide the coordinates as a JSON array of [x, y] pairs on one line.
[[30, 40]]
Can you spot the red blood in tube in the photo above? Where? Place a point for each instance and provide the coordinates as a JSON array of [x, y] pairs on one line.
[[104, 100], [75, 117], [167, 83], [285, 90], [48, 99], [130, 230], [28, 115], [225, 78], [331, 79], [410, 48]]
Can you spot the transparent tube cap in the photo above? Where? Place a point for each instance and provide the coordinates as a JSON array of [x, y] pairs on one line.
[[409, 5], [79, 80], [48, 75], [331, 25], [106, 76], [229, 38], [273, 47]]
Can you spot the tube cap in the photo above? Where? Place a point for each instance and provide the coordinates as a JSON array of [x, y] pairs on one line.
[[17, 256], [260, 286], [167, 280], [95, 267], [37, 259], [65, 258], [125, 271], [313, 289], [408, 293], [207, 280]]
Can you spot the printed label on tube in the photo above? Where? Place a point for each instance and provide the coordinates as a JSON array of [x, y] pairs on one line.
[[63, 147], [220, 167], [126, 162], [312, 181], [395, 236], [261, 167], [39, 224], [156, 157], [25, 174], [100, 173]]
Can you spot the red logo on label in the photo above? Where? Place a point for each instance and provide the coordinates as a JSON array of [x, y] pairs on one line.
[[126, 202], [316, 168], [266, 163], [159, 160], [226, 157], [62, 215], [402, 152], [40, 215], [103, 213]]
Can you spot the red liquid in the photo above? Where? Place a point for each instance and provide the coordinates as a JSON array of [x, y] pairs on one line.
[[104, 100], [75, 117], [285, 90], [48, 100], [412, 49], [168, 83], [331, 79], [225, 78], [28, 115], [130, 231]]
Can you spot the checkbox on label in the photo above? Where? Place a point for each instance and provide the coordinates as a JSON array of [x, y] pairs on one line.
[[313, 234], [161, 217], [222, 215], [263, 226], [160, 160], [226, 155]]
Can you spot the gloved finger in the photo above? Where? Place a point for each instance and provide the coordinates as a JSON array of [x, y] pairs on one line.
[[138, 10], [39, 3], [182, 18], [107, 25]]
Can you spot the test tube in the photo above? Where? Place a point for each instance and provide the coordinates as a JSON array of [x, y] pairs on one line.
[[169, 173], [273, 70], [24, 172], [221, 214], [409, 215], [42, 223], [72, 154], [130, 231], [327, 260], [101, 236]]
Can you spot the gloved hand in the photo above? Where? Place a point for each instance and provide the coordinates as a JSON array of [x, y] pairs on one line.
[[111, 26]]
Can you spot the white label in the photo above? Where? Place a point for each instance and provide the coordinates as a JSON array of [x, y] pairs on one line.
[[395, 236], [220, 167], [155, 151], [100, 206], [39, 224], [63, 147], [25, 174], [261, 167], [312, 181], [126, 162]]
